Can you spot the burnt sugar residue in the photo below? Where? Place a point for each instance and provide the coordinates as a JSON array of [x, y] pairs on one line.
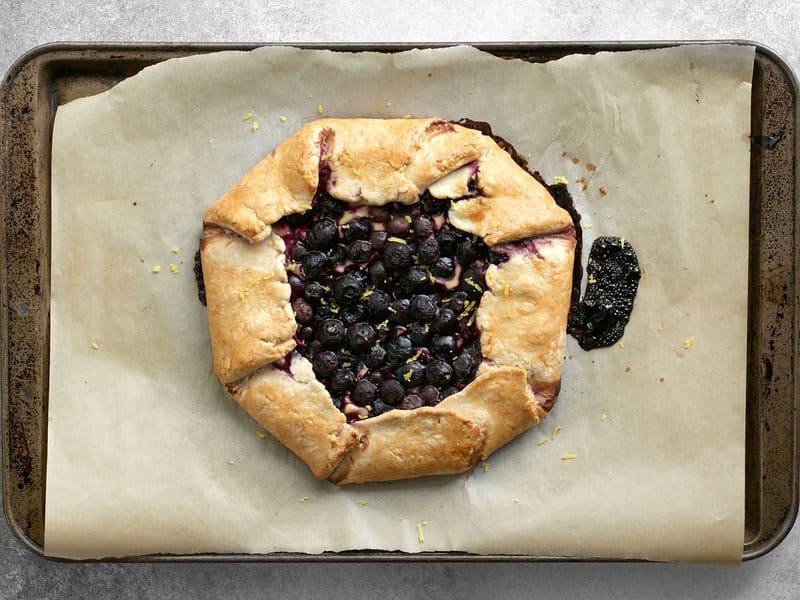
[[599, 319], [563, 198], [198, 278]]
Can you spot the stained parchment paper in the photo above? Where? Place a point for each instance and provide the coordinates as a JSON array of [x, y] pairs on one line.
[[146, 453]]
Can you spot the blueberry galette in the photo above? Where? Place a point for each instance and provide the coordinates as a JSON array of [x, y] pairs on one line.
[[389, 298]]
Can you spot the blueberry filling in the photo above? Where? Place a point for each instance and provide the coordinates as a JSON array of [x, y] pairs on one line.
[[385, 300]]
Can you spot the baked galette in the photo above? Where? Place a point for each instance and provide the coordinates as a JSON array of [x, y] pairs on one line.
[[389, 298]]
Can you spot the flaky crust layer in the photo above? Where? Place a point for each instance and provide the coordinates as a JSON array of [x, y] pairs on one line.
[[297, 409], [521, 317], [375, 162], [247, 293]]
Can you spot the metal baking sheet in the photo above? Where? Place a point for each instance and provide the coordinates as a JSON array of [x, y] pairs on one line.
[[55, 74]]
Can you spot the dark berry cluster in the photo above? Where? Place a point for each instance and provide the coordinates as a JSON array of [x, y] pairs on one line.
[[599, 319], [385, 300]]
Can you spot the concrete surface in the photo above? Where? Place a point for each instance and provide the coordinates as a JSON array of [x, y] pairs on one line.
[[25, 23]]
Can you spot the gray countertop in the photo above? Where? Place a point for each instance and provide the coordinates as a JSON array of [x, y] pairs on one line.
[[24, 24]]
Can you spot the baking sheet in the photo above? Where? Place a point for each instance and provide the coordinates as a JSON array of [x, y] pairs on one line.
[[146, 453]]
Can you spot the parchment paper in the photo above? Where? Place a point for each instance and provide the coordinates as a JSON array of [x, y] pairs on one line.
[[146, 454]]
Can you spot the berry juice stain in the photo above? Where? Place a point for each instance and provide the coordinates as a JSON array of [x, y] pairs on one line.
[[599, 319]]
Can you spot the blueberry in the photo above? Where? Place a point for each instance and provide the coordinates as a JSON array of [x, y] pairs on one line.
[[400, 311], [331, 332], [444, 267], [299, 219], [438, 373], [410, 402], [473, 282], [428, 252], [458, 302], [466, 252], [337, 254], [448, 238], [379, 407], [378, 303], [298, 250], [429, 395], [378, 239], [397, 256], [352, 314], [392, 392], [381, 214], [464, 366], [449, 392], [445, 322], [329, 205], [399, 226], [325, 311], [423, 227], [414, 282], [347, 289], [364, 392], [360, 336], [322, 234], [412, 374], [431, 205], [496, 257], [347, 359], [314, 346], [384, 330], [305, 334], [399, 350], [376, 378], [418, 334], [444, 346], [376, 358], [303, 312], [342, 381], [480, 247], [377, 275], [423, 308], [297, 285], [324, 363], [314, 264], [314, 290], [357, 229], [359, 251]]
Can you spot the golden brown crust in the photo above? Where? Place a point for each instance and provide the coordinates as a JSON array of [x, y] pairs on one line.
[[281, 183], [512, 204], [522, 315], [501, 401], [377, 161], [249, 316], [298, 411], [448, 438], [404, 444]]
